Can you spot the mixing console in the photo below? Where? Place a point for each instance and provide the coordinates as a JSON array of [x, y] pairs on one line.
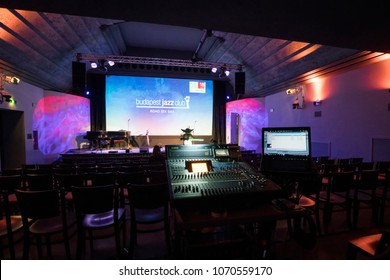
[[210, 182]]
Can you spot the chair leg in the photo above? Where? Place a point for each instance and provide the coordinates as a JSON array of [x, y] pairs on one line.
[[318, 221], [39, 247], [26, 244], [66, 244], [356, 208], [348, 211], [327, 216], [375, 211], [48, 246], [11, 247]]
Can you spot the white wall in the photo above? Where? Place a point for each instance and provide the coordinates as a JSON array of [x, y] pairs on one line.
[[355, 109]]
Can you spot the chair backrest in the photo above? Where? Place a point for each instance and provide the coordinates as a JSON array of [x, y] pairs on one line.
[[148, 196], [102, 178], [39, 204], [134, 177], [368, 179], [12, 171], [310, 184], [95, 199], [39, 181], [157, 176], [66, 181], [10, 183], [342, 181]]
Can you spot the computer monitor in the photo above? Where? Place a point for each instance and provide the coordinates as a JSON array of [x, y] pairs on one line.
[[286, 149], [286, 141]]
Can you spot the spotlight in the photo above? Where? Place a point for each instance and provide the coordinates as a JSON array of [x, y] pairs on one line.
[[222, 71], [6, 98], [317, 102], [292, 91], [102, 64], [12, 80]]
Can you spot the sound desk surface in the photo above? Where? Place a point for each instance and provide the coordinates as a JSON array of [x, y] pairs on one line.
[[225, 185]]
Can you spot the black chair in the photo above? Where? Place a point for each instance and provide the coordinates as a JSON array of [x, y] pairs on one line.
[[365, 193], [44, 215], [97, 210], [157, 176], [373, 246], [337, 194], [383, 195], [9, 224], [11, 183], [66, 182], [102, 178], [36, 182], [149, 210]]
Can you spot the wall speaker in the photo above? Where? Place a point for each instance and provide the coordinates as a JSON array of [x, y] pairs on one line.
[[239, 83], [78, 75]]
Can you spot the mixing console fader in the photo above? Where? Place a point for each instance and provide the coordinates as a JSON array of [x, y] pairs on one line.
[[209, 181]]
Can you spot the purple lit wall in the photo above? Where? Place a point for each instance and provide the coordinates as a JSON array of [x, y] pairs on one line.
[[252, 118], [60, 121]]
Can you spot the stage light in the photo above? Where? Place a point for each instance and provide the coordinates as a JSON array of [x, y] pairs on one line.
[[102, 64], [6, 98], [214, 69], [12, 80], [317, 102]]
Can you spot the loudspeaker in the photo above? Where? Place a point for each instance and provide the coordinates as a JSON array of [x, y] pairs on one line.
[[78, 75], [240, 83]]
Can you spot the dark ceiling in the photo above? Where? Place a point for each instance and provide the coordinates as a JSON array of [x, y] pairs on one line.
[[278, 43]]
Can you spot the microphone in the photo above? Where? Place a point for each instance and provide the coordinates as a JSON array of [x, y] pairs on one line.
[[194, 126]]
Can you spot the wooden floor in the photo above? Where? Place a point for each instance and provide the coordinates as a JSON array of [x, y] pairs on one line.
[[332, 246]]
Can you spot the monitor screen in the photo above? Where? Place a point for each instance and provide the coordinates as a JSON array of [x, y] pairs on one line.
[[286, 141], [159, 105]]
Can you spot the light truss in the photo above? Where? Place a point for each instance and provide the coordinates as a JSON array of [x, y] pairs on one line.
[[157, 61]]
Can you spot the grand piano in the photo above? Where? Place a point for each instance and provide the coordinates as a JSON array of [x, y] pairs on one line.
[[108, 139]]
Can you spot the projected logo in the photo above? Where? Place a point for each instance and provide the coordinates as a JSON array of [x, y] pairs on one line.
[[197, 87], [163, 103]]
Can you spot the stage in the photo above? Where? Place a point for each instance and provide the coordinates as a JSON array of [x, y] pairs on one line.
[[107, 154]]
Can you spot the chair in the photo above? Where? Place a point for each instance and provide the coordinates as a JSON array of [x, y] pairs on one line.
[[125, 178], [44, 215], [307, 191], [366, 183], [12, 171], [102, 178], [157, 176], [337, 194], [149, 211], [383, 195], [9, 224], [39, 181], [97, 210], [66, 182], [373, 246], [11, 183]]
